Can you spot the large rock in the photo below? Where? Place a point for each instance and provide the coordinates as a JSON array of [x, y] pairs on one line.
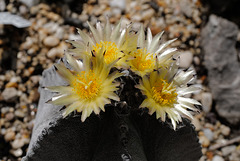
[[114, 135], [220, 56]]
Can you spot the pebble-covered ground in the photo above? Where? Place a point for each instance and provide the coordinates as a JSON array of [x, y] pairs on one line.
[[25, 53]]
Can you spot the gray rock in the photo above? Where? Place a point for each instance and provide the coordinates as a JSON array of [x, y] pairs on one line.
[[100, 138], [7, 18], [218, 44], [10, 94]]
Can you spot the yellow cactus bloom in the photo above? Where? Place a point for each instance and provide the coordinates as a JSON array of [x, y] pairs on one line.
[[149, 53], [112, 53], [165, 91], [90, 85], [114, 40], [141, 62]]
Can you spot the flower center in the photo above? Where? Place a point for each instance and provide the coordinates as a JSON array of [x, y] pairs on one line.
[[111, 50], [87, 85], [164, 93], [142, 60]]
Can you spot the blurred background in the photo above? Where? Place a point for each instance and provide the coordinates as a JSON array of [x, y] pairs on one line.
[[32, 38]]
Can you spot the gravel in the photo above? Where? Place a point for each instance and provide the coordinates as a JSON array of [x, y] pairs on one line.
[[25, 53]]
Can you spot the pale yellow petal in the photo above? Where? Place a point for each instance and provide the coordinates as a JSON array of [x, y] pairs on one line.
[[64, 100], [61, 89], [64, 73], [71, 108], [84, 115], [73, 62]]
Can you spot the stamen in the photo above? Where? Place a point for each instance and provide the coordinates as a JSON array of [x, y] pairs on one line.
[[142, 61], [164, 93], [87, 85], [111, 52]]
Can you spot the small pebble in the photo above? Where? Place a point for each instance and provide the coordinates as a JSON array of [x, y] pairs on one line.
[[51, 41], [10, 94], [23, 9], [19, 113], [196, 60], [185, 59], [9, 135], [228, 149], [53, 53], [9, 116], [59, 33], [18, 143], [235, 156], [225, 130], [206, 101], [16, 153], [119, 4], [11, 84], [2, 5], [197, 124], [146, 15], [4, 110], [217, 158], [204, 141], [208, 133]]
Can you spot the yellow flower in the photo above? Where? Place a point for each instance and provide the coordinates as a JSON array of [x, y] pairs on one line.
[[149, 53], [90, 85], [165, 91], [141, 62], [114, 40]]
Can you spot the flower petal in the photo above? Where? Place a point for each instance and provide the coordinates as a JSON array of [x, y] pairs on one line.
[[64, 72], [155, 42], [73, 62], [187, 90], [183, 111], [188, 100], [141, 37], [64, 100], [61, 89], [165, 45], [74, 106], [94, 32], [149, 38]]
